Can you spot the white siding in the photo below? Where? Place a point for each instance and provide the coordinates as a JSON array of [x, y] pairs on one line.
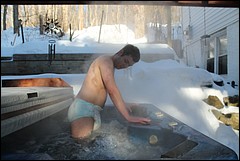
[[233, 53], [216, 19], [192, 54], [219, 18]]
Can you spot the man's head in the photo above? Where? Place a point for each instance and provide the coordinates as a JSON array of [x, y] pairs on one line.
[[132, 51], [127, 56]]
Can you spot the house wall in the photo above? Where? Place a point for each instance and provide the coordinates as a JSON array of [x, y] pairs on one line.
[[216, 19], [233, 53]]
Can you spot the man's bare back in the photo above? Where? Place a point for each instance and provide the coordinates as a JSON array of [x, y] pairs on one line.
[[93, 89]]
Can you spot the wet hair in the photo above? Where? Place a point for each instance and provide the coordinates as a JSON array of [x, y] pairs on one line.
[[133, 51]]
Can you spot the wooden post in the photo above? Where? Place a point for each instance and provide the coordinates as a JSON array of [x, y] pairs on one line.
[[100, 27], [22, 33]]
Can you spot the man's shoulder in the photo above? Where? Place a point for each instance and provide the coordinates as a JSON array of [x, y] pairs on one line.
[[105, 61], [104, 58]]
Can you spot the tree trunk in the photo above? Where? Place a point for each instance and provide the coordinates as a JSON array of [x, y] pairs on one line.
[[65, 23], [169, 25], [81, 17], [15, 19], [4, 17], [36, 12], [41, 24]]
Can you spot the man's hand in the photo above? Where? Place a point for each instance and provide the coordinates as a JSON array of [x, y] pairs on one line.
[[141, 120]]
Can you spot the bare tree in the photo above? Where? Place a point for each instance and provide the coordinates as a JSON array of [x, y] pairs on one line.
[[81, 17], [36, 15], [15, 19], [26, 15], [169, 25], [4, 17], [139, 22], [65, 22], [41, 28], [105, 8]]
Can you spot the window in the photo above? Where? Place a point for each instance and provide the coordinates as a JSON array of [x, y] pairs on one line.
[[210, 60], [217, 53], [222, 57]]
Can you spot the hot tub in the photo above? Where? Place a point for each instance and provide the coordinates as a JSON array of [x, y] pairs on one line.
[[165, 138]]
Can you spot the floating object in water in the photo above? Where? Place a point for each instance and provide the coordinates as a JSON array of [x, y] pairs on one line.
[[173, 124], [153, 139], [159, 114]]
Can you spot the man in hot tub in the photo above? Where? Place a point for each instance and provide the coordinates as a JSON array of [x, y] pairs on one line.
[[99, 81]]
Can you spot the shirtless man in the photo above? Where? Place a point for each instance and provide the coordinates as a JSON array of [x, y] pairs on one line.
[[99, 81]]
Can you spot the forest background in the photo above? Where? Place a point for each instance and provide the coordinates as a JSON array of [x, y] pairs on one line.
[[137, 17]]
